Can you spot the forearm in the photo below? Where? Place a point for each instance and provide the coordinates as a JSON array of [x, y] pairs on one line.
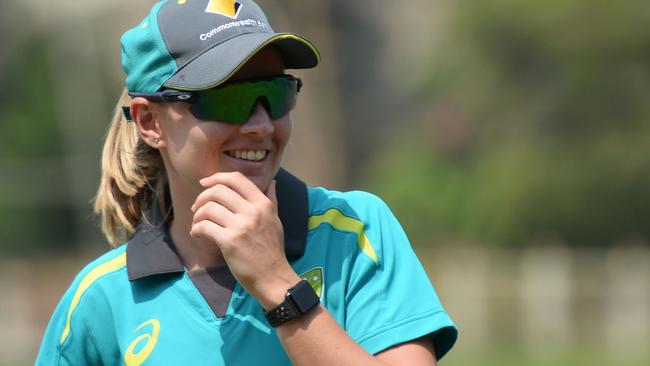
[[317, 339]]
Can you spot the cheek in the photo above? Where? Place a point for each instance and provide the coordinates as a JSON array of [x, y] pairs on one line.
[[193, 145], [197, 135], [207, 140], [283, 131], [175, 126]]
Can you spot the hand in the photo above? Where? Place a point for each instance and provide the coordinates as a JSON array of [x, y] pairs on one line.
[[243, 222]]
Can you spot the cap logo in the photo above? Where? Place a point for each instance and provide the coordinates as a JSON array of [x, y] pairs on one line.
[[229, 8]]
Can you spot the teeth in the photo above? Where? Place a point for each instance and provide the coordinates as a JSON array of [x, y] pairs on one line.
[[253, 155]]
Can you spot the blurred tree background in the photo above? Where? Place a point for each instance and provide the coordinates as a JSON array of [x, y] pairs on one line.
[[532, 124], [500, 123]]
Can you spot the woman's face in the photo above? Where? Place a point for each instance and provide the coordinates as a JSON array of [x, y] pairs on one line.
[[193, 149]]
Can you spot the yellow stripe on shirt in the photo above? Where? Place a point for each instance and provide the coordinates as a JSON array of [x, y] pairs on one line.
[[92, 276], [341, 222]]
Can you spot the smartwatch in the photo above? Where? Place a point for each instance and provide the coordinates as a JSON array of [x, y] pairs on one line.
[[299, 300]]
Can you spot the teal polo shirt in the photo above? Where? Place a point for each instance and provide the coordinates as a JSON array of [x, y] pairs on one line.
[[138, 305]]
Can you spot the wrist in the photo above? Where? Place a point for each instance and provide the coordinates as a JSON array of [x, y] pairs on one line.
[[298, 301], [274, 293]]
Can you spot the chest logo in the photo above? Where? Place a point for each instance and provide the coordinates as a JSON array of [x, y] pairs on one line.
[[144, 343], [229, 8], [315, 278]]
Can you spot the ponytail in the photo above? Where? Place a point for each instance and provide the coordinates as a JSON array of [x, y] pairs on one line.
[[132, 175]]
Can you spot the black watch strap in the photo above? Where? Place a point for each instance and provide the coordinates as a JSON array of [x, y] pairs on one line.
[[297, 302]]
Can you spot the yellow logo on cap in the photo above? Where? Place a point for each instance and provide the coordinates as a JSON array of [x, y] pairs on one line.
[[229, 8]]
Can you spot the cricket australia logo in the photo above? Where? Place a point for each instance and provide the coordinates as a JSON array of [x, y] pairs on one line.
[[315, 278], [229, 8]]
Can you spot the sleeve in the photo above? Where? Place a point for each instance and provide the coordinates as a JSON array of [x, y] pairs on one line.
[[390, 299], [67, 342]]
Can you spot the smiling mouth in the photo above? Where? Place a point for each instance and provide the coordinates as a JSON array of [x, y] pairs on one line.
[[248, 155]]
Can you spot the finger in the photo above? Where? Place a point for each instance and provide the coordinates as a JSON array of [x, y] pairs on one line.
[[207, 229], [237, 182], [214, 212], [271, 194], [222, 195]]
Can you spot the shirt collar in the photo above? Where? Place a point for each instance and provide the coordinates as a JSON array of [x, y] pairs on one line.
[[151, 251]]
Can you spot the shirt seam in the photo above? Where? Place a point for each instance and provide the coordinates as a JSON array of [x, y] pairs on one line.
[[93, 340]]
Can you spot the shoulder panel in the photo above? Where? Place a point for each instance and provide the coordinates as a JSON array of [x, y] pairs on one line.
[[93, 272], [339, 221], [346, 211]]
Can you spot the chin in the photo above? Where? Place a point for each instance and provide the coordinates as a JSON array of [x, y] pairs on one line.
[[261, 182]]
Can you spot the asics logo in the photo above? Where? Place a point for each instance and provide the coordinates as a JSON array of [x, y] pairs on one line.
[[132, 358]]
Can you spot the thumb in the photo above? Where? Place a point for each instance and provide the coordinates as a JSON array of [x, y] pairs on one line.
[[271, 194]]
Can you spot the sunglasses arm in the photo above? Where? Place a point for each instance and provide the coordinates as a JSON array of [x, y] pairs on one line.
[[163, 96], [166, 96]]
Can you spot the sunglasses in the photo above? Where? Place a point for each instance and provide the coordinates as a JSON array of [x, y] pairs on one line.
[[234, 102]]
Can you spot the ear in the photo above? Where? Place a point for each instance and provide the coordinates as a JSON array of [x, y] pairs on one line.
[[145, 116]]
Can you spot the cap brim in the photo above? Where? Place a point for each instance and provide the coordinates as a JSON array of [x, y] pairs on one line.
[[219, 63]]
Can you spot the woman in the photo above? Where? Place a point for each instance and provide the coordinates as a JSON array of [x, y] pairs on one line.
[[229, 259]]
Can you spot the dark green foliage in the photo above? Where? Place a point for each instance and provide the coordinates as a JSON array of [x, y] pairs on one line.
[[29, 126], [30, 133], [30, 231], [539, 128]]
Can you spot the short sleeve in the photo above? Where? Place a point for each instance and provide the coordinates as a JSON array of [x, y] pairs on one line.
[[69, 338], [390, 299], [67, 343]]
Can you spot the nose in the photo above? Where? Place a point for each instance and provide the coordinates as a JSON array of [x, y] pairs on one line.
[[259, 122]]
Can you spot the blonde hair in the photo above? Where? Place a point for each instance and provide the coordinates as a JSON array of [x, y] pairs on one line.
[[132, 175]]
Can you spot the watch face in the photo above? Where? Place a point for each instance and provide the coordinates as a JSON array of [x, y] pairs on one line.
[[304, 296]]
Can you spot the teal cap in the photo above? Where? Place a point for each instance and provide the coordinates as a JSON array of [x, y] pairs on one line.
[[199, 44]]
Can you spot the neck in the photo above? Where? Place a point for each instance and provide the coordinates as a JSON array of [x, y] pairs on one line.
[[195, 253]]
